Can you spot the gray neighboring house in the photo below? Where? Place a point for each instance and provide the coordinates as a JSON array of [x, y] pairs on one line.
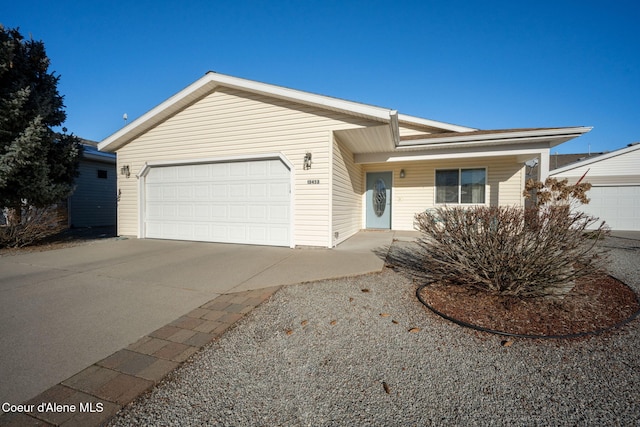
[[615, 180], [94, 200]]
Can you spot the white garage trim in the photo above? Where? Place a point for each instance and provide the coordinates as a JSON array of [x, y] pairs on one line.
[[142, 176]]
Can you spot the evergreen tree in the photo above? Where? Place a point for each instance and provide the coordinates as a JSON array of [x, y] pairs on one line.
[[37, 165]]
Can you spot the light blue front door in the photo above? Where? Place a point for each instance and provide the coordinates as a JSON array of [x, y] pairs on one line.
[[379, 200]]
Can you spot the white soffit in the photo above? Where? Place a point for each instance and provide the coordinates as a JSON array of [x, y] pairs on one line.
[[373, 139]]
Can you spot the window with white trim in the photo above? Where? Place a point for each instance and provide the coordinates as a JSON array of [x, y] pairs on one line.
[[461, 186]]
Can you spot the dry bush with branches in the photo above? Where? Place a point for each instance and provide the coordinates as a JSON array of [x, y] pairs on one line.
[[31, 225], [513, 251]]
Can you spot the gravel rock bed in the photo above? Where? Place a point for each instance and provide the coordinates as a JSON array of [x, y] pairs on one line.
[[364, 351]]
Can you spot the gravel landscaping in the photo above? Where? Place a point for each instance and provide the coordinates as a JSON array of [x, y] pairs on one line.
[[365, 351]]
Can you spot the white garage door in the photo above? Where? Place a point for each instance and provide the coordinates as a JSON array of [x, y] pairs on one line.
[[618, 206], [234, 202]]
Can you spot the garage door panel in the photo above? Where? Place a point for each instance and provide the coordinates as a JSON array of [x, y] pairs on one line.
[[202, 212], [169, 212], [279, 190], [201, 191], [279, 214], [258, 169], [238, 202], [258, 191], [168, 193], [238, 169], [237, 213], [238, 191], [257, 212], [185, 192], [186, 212], [618, 206], [201, 171], [219, 213]]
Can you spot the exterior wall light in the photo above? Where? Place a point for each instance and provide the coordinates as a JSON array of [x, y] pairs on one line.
[[124, 170], [402, 175], [307, 161]]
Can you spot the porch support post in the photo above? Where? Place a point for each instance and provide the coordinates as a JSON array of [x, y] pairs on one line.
[[543, 165]]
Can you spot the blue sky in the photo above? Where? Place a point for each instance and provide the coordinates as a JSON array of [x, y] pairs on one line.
[[484, 64]]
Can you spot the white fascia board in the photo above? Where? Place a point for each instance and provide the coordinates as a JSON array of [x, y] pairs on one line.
[[403, 118], [595, 159], [561, 134], [378, 113]]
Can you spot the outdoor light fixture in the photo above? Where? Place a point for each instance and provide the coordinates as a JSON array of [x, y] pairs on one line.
[[307, 161], [401, 173], [124, 170]]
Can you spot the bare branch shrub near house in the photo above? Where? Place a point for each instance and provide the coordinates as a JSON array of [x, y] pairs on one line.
[[514, 251]]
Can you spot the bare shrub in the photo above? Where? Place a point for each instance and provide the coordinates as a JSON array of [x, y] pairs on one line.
[[29, 226], [512, 251]]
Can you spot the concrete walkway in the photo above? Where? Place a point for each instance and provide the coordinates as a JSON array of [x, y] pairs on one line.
[[64, 310]]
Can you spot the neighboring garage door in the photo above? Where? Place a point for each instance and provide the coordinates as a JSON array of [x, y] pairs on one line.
[[619, 206], [232, 202]]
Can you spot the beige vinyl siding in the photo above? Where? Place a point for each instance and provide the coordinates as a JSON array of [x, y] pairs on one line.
[[227, 123], [416, 191], [346, 193]]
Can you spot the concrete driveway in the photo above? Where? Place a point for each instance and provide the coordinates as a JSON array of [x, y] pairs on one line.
[[64, 309]]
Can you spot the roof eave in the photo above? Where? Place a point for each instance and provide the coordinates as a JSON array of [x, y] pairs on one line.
[[555, 136]]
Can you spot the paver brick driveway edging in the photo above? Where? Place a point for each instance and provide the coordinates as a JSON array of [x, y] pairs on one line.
[[96, 394]]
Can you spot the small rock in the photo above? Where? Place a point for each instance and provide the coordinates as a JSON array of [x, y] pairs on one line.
[[386, 387]]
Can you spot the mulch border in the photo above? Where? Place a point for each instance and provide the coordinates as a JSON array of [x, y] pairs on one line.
[[513, 335]]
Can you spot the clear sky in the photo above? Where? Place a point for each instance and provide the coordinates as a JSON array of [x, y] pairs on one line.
[[484, 64]]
